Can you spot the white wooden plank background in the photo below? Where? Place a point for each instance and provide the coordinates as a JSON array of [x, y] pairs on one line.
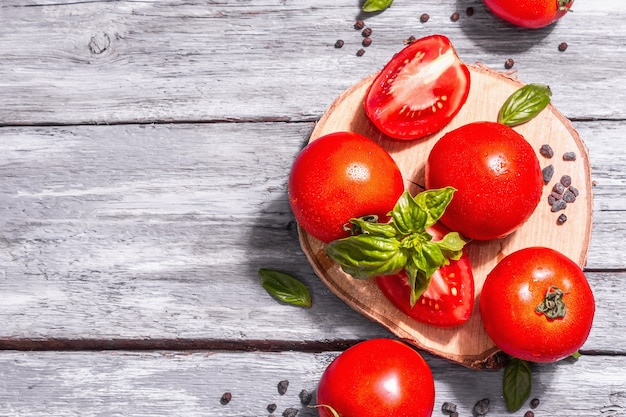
[[144, 154]]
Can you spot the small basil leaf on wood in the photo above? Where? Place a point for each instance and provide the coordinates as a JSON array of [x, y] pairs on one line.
[[285, 287], [524, 104], [517, 383], [376, 5]]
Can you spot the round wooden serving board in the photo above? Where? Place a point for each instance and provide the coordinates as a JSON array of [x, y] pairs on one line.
[[467, 344]]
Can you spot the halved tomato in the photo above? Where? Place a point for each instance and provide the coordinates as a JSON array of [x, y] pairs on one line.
[[449, 299], [420, 89]]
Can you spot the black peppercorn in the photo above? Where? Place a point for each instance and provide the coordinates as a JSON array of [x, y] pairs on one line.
[[305, 397], [529, 414], [482, 406], [455, 16], [359, 24], [226, 397], [424, 17], [561, 219], [290, 412], [282, 386], [508, 64], [562, 46], [546, 151], [367, 32], [360, 52], [339, 43], [469, 11], [367, 42], [410, 39], [569, 156], [566, 180], [534, 403]]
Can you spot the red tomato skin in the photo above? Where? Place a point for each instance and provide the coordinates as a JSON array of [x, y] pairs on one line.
[[340, 176], [517, 285], [496, 174], [531, 14], [437, 99], [448, 301], [377, 377]]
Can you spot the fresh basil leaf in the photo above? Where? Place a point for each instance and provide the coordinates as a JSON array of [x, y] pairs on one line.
[[517, 383], [285, 287], [434, 203], [376, 5], [366, 256], [407, 215], [428, 258], [524, 104], [378, 229], [418, 281]]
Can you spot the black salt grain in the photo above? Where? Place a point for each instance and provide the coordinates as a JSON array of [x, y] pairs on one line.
[[560, 220], [305, 397], [546, 151], [448, 407], [569, 156], [482, 407], [547, 173], [290, 412], [282, 386], [271, 408]]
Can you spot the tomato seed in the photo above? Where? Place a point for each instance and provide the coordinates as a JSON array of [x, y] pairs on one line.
[[448, 407], [566, 180], [546, 151], [359, 24], [290, 412], [455, 16], [469, 11], [482, 406], [305, 397], [360, 52], [367, 42], [508, 64], [226, 397], [282, 386], [547, 173], [562, 46], [424, 17], [569, 156], [534, 403], [560, 220], [339, 43], [367, 32]]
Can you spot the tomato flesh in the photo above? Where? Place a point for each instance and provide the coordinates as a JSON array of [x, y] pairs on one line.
[[513, 290], [340, 176], [419, 91], [449, 299], [377, 377], [532, 14], [497, 176]]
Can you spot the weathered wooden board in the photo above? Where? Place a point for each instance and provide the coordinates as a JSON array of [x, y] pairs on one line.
[[90, 384], [142, 61]]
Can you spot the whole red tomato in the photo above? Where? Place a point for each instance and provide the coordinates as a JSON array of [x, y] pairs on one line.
[[420, 89], [496, 174], [378, 377], [340, 176], [449, 299], [536, 305], [530, 13]]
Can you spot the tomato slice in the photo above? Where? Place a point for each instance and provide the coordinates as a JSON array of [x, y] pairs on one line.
[[449, 299], [420, 89]]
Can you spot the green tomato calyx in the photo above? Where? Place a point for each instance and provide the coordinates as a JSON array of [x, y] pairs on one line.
[[552, 305]]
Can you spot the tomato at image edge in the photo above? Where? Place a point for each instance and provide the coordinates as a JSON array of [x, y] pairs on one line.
[[449, 299], [497, 176], [419, 90], [377, 377], [340, 176], [513, 290], [532, 14]]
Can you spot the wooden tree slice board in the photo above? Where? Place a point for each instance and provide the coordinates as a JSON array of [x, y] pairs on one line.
[[467, 344]]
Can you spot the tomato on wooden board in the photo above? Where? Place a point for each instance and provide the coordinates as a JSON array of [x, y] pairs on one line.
[[420, 89], [496, 174], [377, 377], [512, 305], [530, 13], [340, 176], [449, 298]]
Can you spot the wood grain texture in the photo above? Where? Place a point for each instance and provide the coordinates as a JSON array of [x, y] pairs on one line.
[[144, 61]]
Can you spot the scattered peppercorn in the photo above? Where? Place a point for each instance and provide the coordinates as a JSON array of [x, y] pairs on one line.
[[569, 196], [410, 39], [359, 24], [282, 386], [367, 32], [558, 188], [508, 64], [367, 42], [482, 407], [305, 397], [560, 220], [226, 397], [271, 408], [529, 414], [558, 205], [424, 17], [360, 52], [290, 412], [469, 11], [546, 151], [339, 43], [574, 190], [566, 180], [552, 199], [455, 16], [448, 407], [569, 156], [562, 46], [534, 403], [547, 173]]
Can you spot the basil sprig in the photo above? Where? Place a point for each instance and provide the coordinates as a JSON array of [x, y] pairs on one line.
[[517, 383], [285, 287], [524, 104], [402, 243], [376, 5]]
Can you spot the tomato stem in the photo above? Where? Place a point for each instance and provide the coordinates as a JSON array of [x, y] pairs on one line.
[[564, 5], [552, 305]]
